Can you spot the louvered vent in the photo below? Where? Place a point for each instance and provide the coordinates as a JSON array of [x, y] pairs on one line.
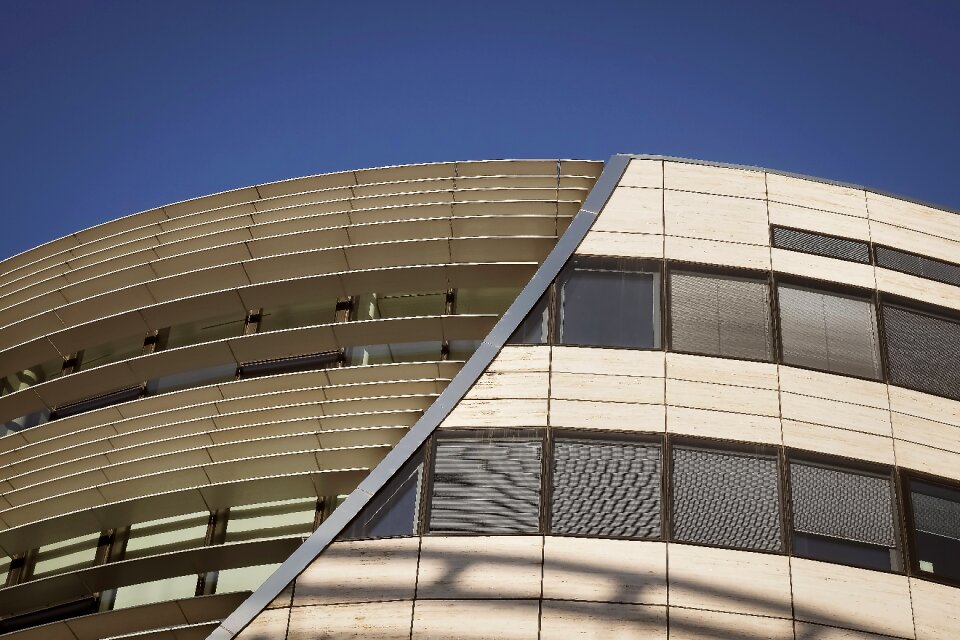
[[918, 265], [720, 315], [935, 515], [726, 499], [486, 486], [841, 504], [606, 488], [820, 245], [829, 331], [923, 351]]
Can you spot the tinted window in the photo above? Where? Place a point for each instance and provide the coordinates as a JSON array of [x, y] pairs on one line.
[[936, 523]]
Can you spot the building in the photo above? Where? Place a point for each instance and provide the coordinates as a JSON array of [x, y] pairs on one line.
[[511, 399]]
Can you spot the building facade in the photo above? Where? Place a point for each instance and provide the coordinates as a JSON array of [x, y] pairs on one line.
[[651, 398]]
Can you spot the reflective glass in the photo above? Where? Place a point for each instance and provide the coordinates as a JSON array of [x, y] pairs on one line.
[[462, 349], [156, 591], [395, 510], [189, 379], [166, 535], [389, 353], [129, 347], [24, 422], [181, 335], [374, 306], [271, 520], [29, 377], [298, 315], [936, 525], [244, 578], [485, 300], [535, 327], [68, 555]]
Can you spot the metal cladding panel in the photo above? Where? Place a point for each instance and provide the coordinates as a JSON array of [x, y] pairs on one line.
[[727, 499], [486, 486], [918, 265], [606, 488], [841, 504], [718, 315], [829, 331], [922, 351], [821, 245]]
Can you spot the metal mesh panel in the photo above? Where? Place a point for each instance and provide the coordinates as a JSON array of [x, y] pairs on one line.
[[918, 265], [817, 244], [606, 488], [726, 499], [841, 504], [486, 486], [923, 351], [717, 315], [829, 331], [935, 515]]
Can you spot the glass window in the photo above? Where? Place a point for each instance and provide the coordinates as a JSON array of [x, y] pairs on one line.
[[182, 335], [166, 535], [190, 379], [922, 351], [374, 306], [936, 528], [244, 578], [298, 315], [68, 555], [462, 349], [388, 353], [726, 498], [29, 377], [720, 315], [535, 327], [843, 516], [4, 569], [156, 591], [485, 300], [609, 302], [829, 331], [487, 483], [918, 265], [821, 245], [123, 349], [283, 518], [395, 510], [606, 488], [24, 422]]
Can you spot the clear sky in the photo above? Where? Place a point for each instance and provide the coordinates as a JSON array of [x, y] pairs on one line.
[[109, 108]]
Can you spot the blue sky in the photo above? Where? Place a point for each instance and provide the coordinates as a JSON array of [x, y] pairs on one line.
[[108, 108]]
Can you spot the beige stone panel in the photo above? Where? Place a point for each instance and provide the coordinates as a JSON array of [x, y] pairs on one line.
[[601, 570], [480, 567], [909, 286], [643, 173], [476, 620], [851, 598], [620, 416], [498, 413], [817, 221], [632, 211], [724, 425], [842, 415], [730, 254], [626, 245], [936, 610], [810, 631], [589, 386], [362, 571], [365, 621], [562, 619], [729, 580], [924, 405], [839, 442], [722, 397], [268, 625], [509, 385], [711, 217], [760, 375], [822, 268], [816, 195], [928, 432], [833, 387], [927, 459], [910, 215], [519, 359], [724, 181], [914, 241], [621, 362], [696, 624]]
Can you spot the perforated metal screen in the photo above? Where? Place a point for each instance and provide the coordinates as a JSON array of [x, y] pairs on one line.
[[726, 499], [842, 504], [923, 351], [606, 488], [829, 331], [487, 485], [918, 265], [936, 515], [720, 315], [821, 245]]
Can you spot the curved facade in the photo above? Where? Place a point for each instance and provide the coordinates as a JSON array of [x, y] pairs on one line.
[[717, 402]]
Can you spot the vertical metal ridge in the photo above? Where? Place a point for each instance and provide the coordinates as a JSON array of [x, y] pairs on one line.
[[435, 414]]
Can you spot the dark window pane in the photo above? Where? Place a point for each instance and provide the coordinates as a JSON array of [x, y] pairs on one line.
[[189, 379], [820, 245], [298, 315], [918, 265], [182, 335], [728, 499], [606, 488], [936, 523], [533, 329], [922, 351], [841, 551], [487, 484], [395, 510], [29, 377], [720, 315], [609, 303], [829, 331], [375, 306]]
